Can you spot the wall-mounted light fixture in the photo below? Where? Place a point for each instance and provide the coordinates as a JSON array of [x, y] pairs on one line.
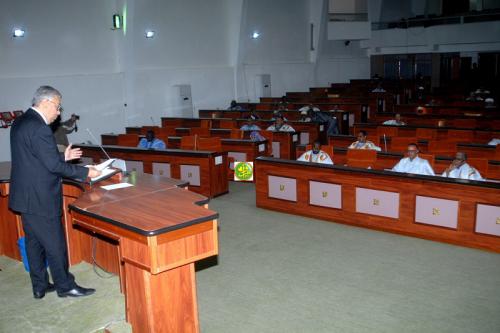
[[255, 35], [150, 33], [18, 32], [117, 22]]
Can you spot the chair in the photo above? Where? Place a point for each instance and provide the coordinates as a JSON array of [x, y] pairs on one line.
[[167, 131], [361, 158], [127, 140], [144, 129], [447, 148], [205, 123], [236, 134], [460, 135], [480, 164], [188, 142], [211, 144], [202, 132], [227, 123], [497, 153], [426, 133], [390, 131], [429, 157], [401, 143]]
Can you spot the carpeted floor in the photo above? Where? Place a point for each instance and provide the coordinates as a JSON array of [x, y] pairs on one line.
[[284, 273]]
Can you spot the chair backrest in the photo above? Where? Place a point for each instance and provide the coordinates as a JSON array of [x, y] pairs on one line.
[[167, 131], [128, 140], [429, 157], [227, 123], [144, 129], [481, 164], [188, 142], [236, 133], [464, 123], [361, 158], [212, 144], [442, 147], [497, 153], [400, 143], [390, 131], [460, 135], [426, 133], [202, 132], [206, 123]]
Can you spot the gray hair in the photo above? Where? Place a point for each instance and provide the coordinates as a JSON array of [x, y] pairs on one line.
[[45, 92]]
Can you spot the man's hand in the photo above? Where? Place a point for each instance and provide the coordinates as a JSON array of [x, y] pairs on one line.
[[93, 172], [72, 153]]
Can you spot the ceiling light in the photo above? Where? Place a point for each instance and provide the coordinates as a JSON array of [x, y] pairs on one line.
[[150, 33], [255, 35], [18, 32]]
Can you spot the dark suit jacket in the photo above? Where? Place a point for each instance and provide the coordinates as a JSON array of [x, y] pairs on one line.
[[37, 168]]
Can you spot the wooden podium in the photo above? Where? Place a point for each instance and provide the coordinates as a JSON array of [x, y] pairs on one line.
[[150, 234], [160, 229]]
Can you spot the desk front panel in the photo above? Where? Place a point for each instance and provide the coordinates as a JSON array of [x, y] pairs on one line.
[[438, 210]]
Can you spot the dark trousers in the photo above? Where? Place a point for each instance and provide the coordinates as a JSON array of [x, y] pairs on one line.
[[45, 240]]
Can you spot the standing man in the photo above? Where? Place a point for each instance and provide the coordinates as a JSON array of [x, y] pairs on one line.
[[36, 193]]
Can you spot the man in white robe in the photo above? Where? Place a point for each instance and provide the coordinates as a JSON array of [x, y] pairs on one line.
[[396, 121], [413, 163], [362, 143], [280, 126], [494, 142], [460, 169], [315, 155]]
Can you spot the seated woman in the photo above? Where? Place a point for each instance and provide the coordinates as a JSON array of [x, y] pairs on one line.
[[362, 143], [316, 155]]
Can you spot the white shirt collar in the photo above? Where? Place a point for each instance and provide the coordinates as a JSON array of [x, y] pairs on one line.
[[41, 114]]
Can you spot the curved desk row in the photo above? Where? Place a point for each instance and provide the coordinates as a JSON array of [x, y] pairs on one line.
[[461, 212], [151, 234]]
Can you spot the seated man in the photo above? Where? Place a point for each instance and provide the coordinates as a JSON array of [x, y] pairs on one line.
[[234, 106], [304, 116], [309, 107], [253, 116], [150, 142], [494, 142], [413, 163], [316, 155], [276, 114], [280, 126], [250, 126], [362, 143], [397, 121], [460, 169]]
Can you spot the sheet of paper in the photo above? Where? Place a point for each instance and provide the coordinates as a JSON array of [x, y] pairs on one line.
[[116, 186], [104, 164], [104, 173]]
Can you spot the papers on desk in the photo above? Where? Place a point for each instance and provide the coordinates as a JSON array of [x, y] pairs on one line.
[[105, 169], [116, 186], [104, 164]]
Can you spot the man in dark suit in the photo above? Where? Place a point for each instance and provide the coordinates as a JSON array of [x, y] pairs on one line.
[[36, 193]]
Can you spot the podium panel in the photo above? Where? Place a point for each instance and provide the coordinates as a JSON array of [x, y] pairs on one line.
[[191, 174], [161, 169], [488, 219], [283, 188], [434, 211], [375, 202], [325, 194]]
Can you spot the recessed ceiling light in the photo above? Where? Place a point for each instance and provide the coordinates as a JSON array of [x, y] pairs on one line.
[[255, 35], [18, 32], [150, 33]]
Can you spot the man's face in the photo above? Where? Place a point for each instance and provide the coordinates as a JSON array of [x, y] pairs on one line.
[[316, 147], [459, 160], [398, 117], [279, 122], [150, 136], [412, 152], [361, 137], [51, 108]]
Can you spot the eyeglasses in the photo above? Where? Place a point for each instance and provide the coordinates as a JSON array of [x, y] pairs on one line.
[[59, 106], [412, 150]]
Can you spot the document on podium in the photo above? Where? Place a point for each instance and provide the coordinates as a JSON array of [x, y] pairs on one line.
[[105, 169]]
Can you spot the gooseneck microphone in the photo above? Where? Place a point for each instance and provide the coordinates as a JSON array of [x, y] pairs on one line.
[[100, 146]]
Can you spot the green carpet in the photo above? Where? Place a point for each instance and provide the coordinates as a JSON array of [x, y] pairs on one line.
[[284, 273]]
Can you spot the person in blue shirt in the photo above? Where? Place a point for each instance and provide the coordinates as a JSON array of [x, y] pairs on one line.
[[150, 142], [250, 126]]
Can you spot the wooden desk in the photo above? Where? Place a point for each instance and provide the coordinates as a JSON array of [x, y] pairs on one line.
[[150, 234], [461, 212], [161, 230], [10, 223], [205, 171]]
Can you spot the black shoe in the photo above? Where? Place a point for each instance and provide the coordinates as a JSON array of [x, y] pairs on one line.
[[76, 292], [41, 294]]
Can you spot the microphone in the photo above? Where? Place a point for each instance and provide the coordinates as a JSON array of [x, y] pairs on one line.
[[93, 137], [152, 120], [385, 143]]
